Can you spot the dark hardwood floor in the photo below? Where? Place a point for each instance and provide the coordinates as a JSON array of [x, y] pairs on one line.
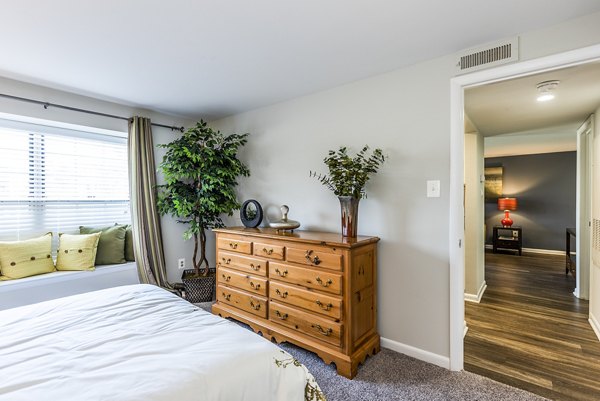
[[531, 332]]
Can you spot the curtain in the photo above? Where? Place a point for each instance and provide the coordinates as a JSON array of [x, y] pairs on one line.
[[147, 237]]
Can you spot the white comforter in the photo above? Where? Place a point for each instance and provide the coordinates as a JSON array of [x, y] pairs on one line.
[[139, 343]]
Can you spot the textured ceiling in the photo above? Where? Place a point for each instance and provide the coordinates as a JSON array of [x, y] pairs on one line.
[[214, 58]]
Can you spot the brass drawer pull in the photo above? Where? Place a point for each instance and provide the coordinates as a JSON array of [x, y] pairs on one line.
[[326, 333], [280, 315], [255, 268], [226, 296], [268, 251], [281, 294], [323, 306], [226, 261], [324, 284], [315, 261], [281, 273], [255, 286], [254, 306], [233, 245], [226, 278]]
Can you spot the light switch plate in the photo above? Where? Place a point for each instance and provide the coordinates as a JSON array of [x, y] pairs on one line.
[[433, 188]]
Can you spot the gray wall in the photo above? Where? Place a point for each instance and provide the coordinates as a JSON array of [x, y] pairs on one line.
[[544, 186]]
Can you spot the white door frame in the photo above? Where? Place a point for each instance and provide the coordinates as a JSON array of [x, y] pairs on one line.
[[584, 208], [456, 215]]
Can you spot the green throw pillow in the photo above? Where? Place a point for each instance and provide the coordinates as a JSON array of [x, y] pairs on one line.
[[77, 252], [111, 248], [20, 259], [129, 255]]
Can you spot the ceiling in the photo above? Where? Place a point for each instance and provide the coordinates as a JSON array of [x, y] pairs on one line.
[[215, 58], [510, 107]]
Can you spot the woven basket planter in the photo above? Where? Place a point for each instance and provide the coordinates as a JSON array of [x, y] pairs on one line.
[[199, 289]]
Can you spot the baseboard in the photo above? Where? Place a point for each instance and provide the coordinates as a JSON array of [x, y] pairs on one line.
[[535, 250], [595, 325], [426, 356], [466, 329], [476, 297]]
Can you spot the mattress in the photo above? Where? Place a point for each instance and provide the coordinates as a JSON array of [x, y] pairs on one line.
[[140, 342]]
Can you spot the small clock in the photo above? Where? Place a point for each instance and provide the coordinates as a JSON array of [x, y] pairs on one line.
[[251, 213]]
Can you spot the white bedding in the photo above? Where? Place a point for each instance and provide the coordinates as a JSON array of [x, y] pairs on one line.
[[141, 343]]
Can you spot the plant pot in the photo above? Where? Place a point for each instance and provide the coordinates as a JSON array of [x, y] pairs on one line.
[[349, 210], [199, 289]]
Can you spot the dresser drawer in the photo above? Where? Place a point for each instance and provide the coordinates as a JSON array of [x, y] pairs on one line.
[[234, 245], [315, 256], [306, 323], [316, 279], [269, 250], [310, 300], [250, 303], [252, 284], [243, 263]]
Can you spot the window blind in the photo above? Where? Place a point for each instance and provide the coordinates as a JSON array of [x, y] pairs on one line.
[[58, 179]]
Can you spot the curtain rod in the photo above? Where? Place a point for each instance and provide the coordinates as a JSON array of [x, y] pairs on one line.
[[96, 113]]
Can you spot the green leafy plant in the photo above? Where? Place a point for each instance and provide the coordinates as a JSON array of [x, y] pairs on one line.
[[201, 169], [348, 175]]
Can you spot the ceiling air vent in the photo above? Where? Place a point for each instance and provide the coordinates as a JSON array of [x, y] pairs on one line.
[[490, 55]]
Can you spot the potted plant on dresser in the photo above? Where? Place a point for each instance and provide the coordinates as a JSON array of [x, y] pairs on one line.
[[200, 170], [347, 179]]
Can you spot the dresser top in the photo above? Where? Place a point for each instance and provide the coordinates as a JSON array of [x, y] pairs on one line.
[[313, 237]]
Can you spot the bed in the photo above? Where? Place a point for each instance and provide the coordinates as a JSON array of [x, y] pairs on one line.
[[140, 342]]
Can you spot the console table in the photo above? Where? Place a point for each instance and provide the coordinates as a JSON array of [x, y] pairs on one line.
[[507, 238]]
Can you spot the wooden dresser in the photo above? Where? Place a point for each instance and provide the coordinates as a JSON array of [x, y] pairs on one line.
[[316, 290]]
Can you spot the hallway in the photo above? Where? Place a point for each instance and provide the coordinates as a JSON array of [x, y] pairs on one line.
[[531, 332]]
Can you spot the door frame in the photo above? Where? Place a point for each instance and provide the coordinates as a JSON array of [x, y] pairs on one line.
[[456, 215], [584, 208]]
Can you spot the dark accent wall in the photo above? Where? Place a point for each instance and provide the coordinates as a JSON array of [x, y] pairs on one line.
[[544, 186]]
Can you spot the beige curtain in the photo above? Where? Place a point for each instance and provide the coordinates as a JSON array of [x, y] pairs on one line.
[[147, 237]]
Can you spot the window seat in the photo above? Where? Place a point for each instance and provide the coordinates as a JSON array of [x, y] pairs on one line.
[[59, 284]]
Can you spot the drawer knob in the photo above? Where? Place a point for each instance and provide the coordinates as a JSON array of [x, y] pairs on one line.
[[320, 329], [226, 296], [233, 245], [323, 306], [255, 286], [226, 261], [315, 261], [280, 315], [281, 294], [268, 251], [255, 306], [324, 283], [226, 278], [281, 273], [255, 268]]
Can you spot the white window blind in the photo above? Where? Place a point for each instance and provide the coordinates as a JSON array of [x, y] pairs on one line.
[[58, 179]]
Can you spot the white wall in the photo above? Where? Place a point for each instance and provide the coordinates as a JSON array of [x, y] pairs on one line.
[[407, 113], [474, 217], [175, 247], [595, 265]]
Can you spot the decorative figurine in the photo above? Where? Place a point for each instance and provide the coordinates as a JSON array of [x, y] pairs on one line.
[[284, 223]]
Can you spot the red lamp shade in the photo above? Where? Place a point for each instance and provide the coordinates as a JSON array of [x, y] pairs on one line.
[[507, 204]]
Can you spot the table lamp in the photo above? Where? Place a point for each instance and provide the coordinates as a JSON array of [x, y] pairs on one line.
[[507, 204]]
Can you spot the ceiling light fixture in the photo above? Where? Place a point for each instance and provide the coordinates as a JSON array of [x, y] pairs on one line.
[[546, 90]]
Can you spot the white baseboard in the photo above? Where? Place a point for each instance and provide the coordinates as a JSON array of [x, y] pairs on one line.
[[535, 250], [466, 329], [426, 356], [476, 297], [595, 325]]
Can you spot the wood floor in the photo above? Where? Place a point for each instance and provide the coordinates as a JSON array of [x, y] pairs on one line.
[[529, 330]]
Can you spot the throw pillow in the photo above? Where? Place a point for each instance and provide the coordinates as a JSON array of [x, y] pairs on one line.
[[129, 255], [77, 252], [111, 247], [20, 259]]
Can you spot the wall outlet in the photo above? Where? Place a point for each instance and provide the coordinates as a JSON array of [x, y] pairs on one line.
[[181, 263], [515, 233]]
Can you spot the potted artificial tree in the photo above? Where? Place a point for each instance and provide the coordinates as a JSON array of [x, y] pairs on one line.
[[200, 169], [347, 179]]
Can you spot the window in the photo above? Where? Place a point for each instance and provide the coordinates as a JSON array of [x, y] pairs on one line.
[[56, 179]]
